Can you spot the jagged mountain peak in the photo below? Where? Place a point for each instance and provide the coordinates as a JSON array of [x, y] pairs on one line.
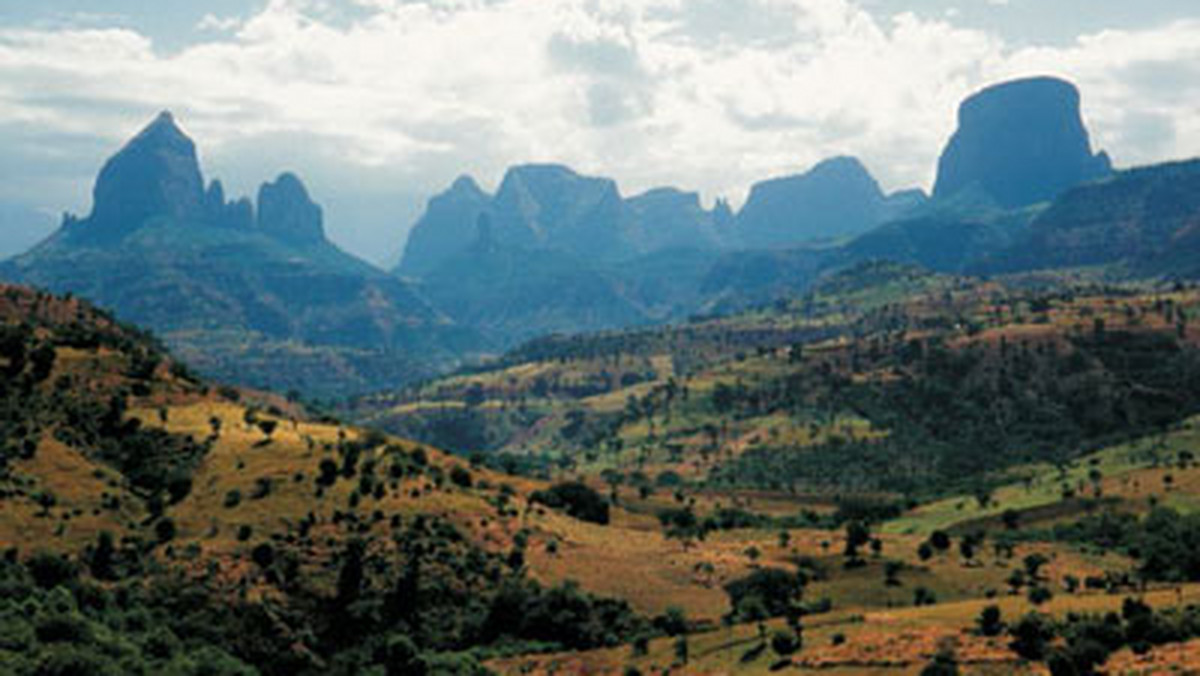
[[465, 184], [286, 212], [155, 175]]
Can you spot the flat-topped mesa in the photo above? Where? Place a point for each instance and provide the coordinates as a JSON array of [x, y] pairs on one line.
[[836, 198], [287, 213], [1020, 142], [156, 175]]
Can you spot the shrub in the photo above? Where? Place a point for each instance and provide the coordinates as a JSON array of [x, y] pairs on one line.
[[784, 642], [577, 499], [164, 530], [990, 622], [460, 477], [775, 589], [1031, 635]]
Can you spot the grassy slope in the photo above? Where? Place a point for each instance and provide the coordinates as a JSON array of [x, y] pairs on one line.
[[630, 558]]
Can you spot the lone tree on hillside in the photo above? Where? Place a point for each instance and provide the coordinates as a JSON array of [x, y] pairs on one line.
[[267, 427]]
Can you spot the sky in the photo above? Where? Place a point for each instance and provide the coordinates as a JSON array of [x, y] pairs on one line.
[[379, 104]]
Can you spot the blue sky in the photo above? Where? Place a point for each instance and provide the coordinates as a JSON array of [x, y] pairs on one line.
[[379, 103]]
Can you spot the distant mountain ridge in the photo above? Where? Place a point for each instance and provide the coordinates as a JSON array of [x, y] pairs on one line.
[[254, 293], [641, 259], [1146, 219], [552, 206], [837, 198]]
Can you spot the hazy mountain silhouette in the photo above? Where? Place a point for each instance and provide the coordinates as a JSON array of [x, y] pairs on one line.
[[253, 289], [1020, 142], [836, 198], [446, 228], [232, 286], [550, 206]]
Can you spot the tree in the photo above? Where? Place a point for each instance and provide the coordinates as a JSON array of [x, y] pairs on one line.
[[967, 549], [785, 643], [891, 573], [990, 621], [327, 472], [1038, 595], [351, 575], [267, 426], [673, 622], [1033, 565], [164, 530], [940, 541], [1031, 635], [857, 535], [50, 570], [460, 477], [42, 359], [1016, 580], [753, 553], [401, 656], [924, 551], [577, 499], [772, 591], [945, 663], [681, 649], [103, 556]]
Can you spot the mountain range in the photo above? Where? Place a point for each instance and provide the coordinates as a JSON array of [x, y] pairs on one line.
[[253, 291]]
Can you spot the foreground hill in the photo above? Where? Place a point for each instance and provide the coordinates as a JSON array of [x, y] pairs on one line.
[[248, 291], [152, 523], [1027, 445], [240, 535]]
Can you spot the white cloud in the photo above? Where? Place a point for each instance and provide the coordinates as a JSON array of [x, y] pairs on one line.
[[212, 22], [705, 94]]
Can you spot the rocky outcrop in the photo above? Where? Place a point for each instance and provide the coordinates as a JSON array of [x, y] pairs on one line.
[[235, 215], [287, 213], [156, 175], [1020, 142], [446, 227], [551, 205]]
